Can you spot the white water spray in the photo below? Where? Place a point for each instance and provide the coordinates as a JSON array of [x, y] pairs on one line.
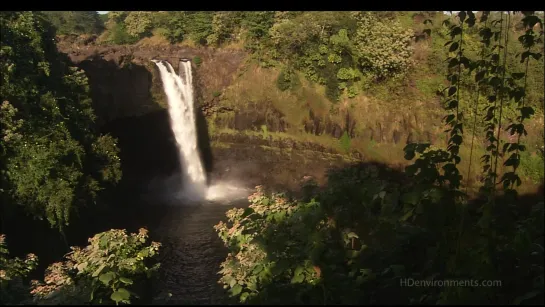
[[179, 91]]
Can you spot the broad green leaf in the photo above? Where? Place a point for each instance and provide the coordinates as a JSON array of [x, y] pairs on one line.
[[106, 277], [126, 280], [257, 269], [120, 295], [244, 296], [236, 289], [298, 270], [252, 286], [297, 279]]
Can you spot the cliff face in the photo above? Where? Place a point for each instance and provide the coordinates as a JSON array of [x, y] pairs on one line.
[[130, 103], [124, 82], [126, 88]]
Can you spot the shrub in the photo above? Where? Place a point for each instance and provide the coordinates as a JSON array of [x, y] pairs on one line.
[[265, 131], [249, 267], [531, 166], [138, 23], [384, 47], [120, 36], [12, 272], [197, 60], [287, 79], [345, 142], [107, 270]]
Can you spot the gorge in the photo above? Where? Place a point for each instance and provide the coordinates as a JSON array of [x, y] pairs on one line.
[[271, 157]]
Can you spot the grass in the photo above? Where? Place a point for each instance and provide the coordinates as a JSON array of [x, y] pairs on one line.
[[155, 40], [257, 86]]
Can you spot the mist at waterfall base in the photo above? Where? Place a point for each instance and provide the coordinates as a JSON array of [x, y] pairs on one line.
[[190, 185]]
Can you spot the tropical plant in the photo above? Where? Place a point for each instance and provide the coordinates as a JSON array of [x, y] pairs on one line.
[[13, 271], [109, 269], [54, 161]]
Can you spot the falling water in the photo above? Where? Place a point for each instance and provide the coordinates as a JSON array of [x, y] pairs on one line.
[[179, 91]]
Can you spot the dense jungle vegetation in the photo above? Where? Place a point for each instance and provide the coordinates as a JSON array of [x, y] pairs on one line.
[[452, 214]]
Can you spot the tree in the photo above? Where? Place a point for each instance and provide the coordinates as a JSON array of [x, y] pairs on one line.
[[199, 26], [224, 27], [138, 23], [258, 23], [75, 22], [384, 48], [176, 29], [53, 159]]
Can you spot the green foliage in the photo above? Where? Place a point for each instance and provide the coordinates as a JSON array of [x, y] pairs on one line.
[[225, 27], [197, 60], [288, 79], [199, 26], [138, 23], [249, 267], [108, 270], [354, 241], [332, 89], [12, 273], [531, 166], [377, 47], [258, 23], [384, 47], [175, 29], [53, 160], [345, 142], [265, 132], [75, 22]]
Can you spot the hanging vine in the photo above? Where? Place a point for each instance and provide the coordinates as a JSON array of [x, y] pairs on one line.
[[455, 119], [518, 94], [494, 82], [482, 67], [501, 93]]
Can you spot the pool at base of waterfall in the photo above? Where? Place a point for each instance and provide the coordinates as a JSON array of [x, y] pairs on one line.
[[191, 253]]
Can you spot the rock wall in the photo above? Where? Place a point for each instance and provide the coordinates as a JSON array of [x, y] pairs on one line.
[[124, 82]]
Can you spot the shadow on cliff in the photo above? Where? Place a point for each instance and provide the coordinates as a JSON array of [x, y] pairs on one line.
[[148, 149], [119, 88], [125, 98]]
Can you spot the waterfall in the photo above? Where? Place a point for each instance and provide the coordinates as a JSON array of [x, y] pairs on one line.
[[179, 91]]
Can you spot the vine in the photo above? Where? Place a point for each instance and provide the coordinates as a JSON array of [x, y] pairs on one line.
[[479, 78], [502, 96], [518, 94], [490, 117]]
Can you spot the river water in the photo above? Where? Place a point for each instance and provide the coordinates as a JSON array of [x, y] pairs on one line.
[[191, 251]]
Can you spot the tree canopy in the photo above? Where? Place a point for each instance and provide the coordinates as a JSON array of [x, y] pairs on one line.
[[53, 159]]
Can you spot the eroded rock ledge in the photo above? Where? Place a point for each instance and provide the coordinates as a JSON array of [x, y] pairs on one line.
[[124, 81]]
